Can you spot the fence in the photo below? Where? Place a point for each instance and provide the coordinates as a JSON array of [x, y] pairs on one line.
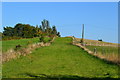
[[107, 51]]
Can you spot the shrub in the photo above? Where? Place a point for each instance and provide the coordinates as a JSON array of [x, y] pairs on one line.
[[51, 38], [99, 39], [45, 39], [41, 39]]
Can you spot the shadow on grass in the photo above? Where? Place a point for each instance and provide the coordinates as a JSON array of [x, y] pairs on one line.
[[57, 77]]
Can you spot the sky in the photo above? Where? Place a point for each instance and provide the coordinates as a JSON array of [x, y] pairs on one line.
[[59, 0], [100, 19]]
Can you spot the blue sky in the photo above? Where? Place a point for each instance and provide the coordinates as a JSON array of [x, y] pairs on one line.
[[60, 0], [100, 18]]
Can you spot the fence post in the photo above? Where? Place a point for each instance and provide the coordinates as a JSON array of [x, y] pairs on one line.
[[95, 50]]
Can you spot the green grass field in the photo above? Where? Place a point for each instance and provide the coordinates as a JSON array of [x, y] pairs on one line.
[[108, 51], [104, 49], [96, 43], [60, 58], [11, 44]]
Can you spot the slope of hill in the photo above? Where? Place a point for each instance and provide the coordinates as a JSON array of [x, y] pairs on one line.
[[97, 43], [104, 50], [11, 44], [60, 60]]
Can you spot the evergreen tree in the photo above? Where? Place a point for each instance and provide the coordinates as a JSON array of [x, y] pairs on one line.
[[58, 34], [45, 26], [54, 31]]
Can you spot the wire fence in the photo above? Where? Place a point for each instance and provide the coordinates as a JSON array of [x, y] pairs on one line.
[[108, 51]]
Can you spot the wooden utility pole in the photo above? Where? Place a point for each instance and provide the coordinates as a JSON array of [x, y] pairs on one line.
[[82, 34]]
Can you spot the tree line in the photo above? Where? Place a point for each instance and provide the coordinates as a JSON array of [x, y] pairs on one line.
[[27, 31]]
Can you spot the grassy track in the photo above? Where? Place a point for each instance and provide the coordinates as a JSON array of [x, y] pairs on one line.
[[10, 44], [61, 58]]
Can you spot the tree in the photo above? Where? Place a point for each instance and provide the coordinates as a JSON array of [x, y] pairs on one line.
[[0, 35], [54, 31], [27, 31], [45, 26], [18, 29], [8, 31], [100, 40], [58, 34]]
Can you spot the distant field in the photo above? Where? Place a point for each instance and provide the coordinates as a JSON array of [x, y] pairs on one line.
[[106, 50], [97, 43], [101, 47], [10, 44], [60, 59]]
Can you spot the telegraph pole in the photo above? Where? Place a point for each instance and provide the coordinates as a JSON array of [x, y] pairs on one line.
[[82, 34]]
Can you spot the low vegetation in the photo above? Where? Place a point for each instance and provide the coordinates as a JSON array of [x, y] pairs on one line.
[[104, 49], [60, 60], [97, 43], [22, 43], [11, 44], [108, 51], [45, 39]]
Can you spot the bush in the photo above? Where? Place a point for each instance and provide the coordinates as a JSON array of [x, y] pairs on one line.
[[45, 39], [51, 38], [99, 39], [41, 39]]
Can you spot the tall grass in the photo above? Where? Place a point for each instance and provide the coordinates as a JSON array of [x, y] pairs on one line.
[[108, 52], [104, 49]]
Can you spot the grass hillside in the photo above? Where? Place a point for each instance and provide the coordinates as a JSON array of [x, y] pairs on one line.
[[60, 59], [108, 51], [97, 43], [11, 44]]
